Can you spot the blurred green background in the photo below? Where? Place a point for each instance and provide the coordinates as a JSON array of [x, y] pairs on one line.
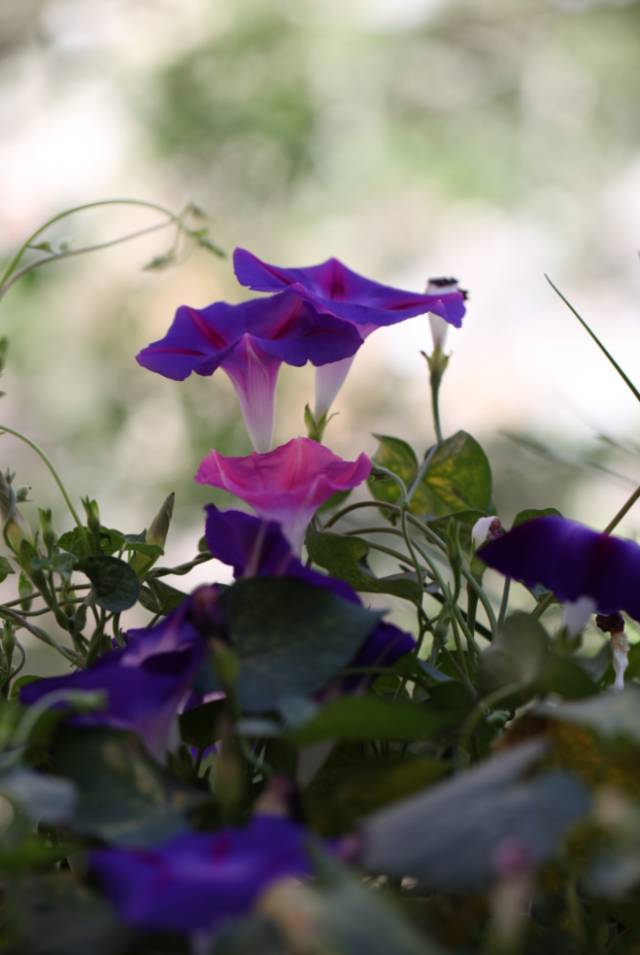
[[494, 140]]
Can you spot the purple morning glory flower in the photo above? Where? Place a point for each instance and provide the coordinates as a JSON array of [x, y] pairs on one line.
[[572, 561], [147, 682], [335, 290], [287, 484], [258, 548], [197, 881], [249, 342]]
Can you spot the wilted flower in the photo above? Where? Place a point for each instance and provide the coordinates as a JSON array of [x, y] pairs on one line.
[[197, 881], [249, 342], [335, 290], [287, 484], [572, 561]]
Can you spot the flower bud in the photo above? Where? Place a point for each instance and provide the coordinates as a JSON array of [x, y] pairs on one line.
[[49, 536], [159, 527], [439, 327], [15, 528], [486, 529]]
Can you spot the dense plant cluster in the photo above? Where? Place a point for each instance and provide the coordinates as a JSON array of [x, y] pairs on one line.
[[270, 766]]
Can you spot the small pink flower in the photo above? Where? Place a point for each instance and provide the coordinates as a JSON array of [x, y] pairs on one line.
[[287, 484]]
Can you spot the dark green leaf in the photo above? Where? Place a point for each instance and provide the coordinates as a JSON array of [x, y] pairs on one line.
[[354, 782], [115, 584], [517, 655], [368, 718], [447, 838], [566, 677], [198, 725], [159, 597], [346, 558], [291, 638], [78, 541], [356, 920], [57, 915], [123, 795]]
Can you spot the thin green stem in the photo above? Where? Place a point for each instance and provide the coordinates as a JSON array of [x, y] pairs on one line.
[[595, 338], [41, 454], [68, 253], [613, 523], [504, 603], [435, 408], [16, 618], [17, 258]]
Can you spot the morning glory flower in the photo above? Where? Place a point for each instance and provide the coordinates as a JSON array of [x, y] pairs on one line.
[[147, 682], [287, 484], [335, 290], [249, 342], [258, 548], [572, 561], [197, 881]]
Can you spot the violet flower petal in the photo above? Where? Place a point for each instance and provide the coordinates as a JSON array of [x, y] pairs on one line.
[[572, 561], [335, 289], [197, 881]]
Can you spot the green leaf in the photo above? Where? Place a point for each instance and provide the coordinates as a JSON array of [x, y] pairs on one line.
[[611, 715], [517, 655], [366, 718], [530, 514], [353, 783], [353, 919], [198, 725], [46, 799], [55, 914], [447, 838], [5, 569], [346, 558], [115, 584], [78, 541], [397, 456], [458, 478], [159, 597], [160, 262], [290, 638], [123, 795]]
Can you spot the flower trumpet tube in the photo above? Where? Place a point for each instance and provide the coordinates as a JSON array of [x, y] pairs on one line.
[[249, 342]]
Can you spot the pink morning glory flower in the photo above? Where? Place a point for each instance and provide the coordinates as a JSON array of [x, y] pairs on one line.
[[249, 342], [335, 290], [287, 484]]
